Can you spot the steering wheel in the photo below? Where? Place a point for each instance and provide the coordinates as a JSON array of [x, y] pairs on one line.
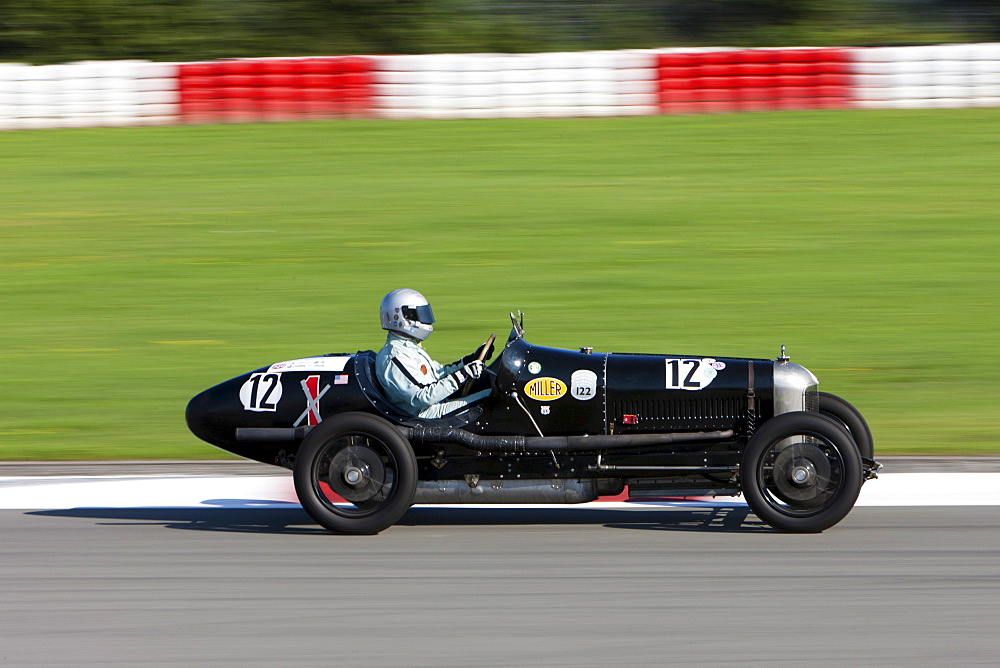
[[464, 391], [486, 347]]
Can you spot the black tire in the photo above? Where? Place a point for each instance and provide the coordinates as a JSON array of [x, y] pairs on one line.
[[833, 406], [801, 472], [362, 459]]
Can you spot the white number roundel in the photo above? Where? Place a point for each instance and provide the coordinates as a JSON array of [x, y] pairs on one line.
[[261, 392], [691, 374], [583, 385]]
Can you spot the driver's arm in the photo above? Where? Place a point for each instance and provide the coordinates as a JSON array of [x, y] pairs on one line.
[[482, 352], [407, 384]]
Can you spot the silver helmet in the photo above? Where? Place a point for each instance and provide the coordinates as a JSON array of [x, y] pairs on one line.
[[407, 312]]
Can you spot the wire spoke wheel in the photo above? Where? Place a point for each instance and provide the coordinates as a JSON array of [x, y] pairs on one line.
[[355, 474], [801, 472], [359, 470], [801, 478]]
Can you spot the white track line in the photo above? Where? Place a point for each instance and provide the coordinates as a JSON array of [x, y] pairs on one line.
[[56, 493], [45, 493]]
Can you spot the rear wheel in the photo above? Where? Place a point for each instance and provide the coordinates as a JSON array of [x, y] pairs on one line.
[[355, 474], [801, 472]]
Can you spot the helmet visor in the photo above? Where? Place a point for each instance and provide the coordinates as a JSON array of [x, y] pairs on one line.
[[419, 313]]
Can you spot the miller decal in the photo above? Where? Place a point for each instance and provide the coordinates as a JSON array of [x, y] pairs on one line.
[[545, 389]]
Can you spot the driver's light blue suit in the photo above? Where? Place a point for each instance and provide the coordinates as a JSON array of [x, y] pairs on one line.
[[417, 384]]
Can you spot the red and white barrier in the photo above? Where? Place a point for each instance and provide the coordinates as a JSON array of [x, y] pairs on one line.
[[942, 76], [275, 89], [573, 84], [596, 83], [753, 80], [92, 93]]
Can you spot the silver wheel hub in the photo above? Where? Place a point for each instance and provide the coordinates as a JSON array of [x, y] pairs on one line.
[[353, 476], [357, 474], [803, 474]]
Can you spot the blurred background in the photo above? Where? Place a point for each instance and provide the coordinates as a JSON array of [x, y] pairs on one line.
[[854, 222], [55, 31]]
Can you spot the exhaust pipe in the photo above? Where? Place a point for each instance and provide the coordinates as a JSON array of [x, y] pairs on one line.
[[523, 444], [490, 445], [505, 491]]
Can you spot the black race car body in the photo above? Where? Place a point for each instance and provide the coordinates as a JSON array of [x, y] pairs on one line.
[[559, 426]]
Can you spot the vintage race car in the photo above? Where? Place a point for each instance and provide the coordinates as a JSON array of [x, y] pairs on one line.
[[559, 426]]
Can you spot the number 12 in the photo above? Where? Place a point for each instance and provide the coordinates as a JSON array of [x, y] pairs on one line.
[[674, 372], [263, 403]]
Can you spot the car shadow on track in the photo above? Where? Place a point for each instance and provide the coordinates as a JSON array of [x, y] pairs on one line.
[[734, 519], [291, 520], [250, 517]]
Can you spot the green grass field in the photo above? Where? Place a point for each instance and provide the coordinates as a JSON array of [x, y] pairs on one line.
[[139, 266]]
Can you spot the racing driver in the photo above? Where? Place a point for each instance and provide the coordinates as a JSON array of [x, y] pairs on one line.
[[412, 380]]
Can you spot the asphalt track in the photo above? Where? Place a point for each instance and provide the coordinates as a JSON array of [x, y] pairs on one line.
[[247, 583]]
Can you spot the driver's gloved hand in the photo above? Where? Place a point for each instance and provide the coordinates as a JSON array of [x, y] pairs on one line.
[[473, 369], [474, 356], [489, 352]]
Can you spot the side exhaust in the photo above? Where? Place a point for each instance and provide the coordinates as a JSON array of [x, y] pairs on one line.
[[524, 444], [503, 444], [473, 490]]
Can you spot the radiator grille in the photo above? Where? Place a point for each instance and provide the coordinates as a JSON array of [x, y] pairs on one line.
[[681, 414], [810, 400]]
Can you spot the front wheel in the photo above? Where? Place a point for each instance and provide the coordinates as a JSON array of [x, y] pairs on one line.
[[833, 406], [801, 472], [355, 474]]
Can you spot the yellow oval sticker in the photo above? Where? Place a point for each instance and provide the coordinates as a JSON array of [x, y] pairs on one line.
[[545, 389]]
